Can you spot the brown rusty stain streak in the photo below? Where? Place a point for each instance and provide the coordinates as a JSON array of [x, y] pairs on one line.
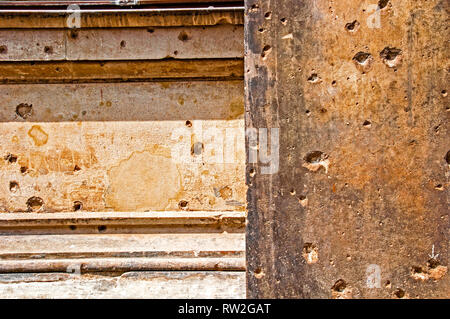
[[57, 160], [116, 20], [237, 109], [110, 71], [136, 183]]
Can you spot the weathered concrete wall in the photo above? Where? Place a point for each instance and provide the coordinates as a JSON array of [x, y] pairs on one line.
[[114, 146], [122, 146], [122, 156], [141, 285], [359, 92]]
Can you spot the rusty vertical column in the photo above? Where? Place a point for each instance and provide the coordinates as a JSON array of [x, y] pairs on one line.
[[359, 205]]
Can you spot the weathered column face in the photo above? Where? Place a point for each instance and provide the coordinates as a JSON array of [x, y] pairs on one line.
[[359, 205]]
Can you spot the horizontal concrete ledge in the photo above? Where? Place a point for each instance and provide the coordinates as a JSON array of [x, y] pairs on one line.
[[138, 284], [122, 18], [122, 265], [126, 3], [120, 71], [121, 218], [121, 252]]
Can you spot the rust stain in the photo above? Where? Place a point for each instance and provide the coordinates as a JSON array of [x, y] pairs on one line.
[[181, 100], [143, 182], [236, 109], [38, 135], [58, 160], [226, 192]]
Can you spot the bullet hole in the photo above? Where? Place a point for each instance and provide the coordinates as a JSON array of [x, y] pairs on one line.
[[444, 93], [313, 157], [183, 36], [73, 227], [362, 57], [310, 253], [11, 158], [74, 34], [24, 110], [252, 172], [387, 284], [283, 21], [23, 169], [399, 293], [77, 205], [150, 30], [175, 52], [339, 286], [48, 49], [433, 263], [433, 270], [183, 204], [382, 4], [314, 78], [197, 148], [268, 15], [254, 7], [292, 192], [323, 110], [3, 49], [83, 113], [367, 124], [417, 271], [259, 273], [308, 112], [391, 56], [439, 187], [363, 61], [447, 157], [315, 160], [13, 186], [188, 123], [266, 50], [352, 26], [303, 200], [123, 44], [101, 228], [334, 83], [76, 168], [58, 69], [34, 203], [261, 30]]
